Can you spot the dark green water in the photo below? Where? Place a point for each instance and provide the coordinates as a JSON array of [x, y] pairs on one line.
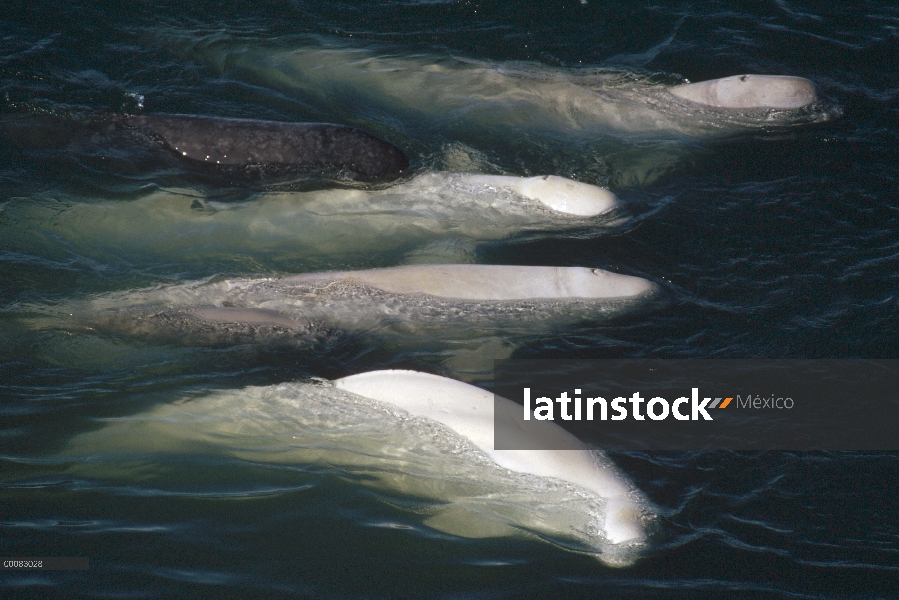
[[771, 242]]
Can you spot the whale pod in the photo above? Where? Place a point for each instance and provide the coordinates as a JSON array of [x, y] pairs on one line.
[[223, 143], [750, 91], [423, 442]]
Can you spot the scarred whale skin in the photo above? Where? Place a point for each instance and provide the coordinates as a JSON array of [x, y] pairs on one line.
[[434, 306], [750, 91], [237, 142]]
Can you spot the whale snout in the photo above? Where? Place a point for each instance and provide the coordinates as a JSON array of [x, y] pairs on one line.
[[600, 283], [568, 196], [750, 91]]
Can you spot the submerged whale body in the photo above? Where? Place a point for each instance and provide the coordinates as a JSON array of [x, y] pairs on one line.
[[435, 217], [463, 315], [463, 94], [272, 145], [623, 127], [423, 439], [490, 282], [401, 299], [473, 413]]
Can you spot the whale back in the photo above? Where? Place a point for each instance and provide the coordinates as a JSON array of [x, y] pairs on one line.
[[243, 142], [494, 282]]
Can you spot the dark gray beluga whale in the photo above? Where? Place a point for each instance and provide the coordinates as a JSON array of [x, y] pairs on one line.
[[272, 145], [239, 149]]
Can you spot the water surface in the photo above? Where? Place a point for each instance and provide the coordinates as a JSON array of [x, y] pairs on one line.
[[775, 242]]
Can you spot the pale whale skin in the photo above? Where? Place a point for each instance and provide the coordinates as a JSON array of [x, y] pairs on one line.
[[448, 310], [750, 91], [465, 96], [423, 442], [613, 125], [558, 193], [492, 282], [469, 411], [222, 142], [430, 217]]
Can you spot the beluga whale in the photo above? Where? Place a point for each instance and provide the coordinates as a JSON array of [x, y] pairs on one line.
[[424, 442], [219, 149], [463, 315], [245, 145], [428, 217], [629, 127]]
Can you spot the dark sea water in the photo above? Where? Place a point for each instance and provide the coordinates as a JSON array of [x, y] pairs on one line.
[[773, 242]]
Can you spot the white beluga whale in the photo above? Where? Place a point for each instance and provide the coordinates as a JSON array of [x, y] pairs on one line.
[[425, 441], [447, 214], [411, 297], [467, 315], [629, 127], [470, 92]]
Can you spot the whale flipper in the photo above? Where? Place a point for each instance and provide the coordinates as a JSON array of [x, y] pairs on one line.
[[223, 143], [474, 361]]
